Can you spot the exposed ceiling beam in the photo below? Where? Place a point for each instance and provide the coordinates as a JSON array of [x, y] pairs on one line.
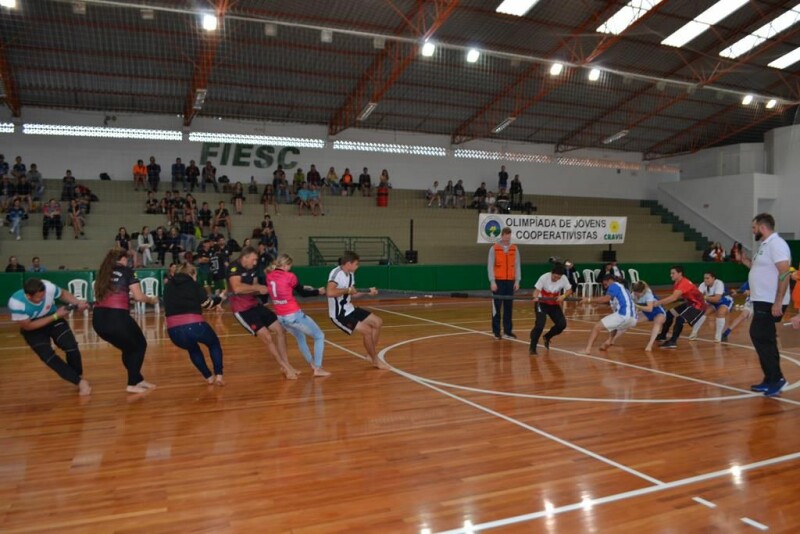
[[11, 97], [481, 123], [586, 135], [390, 64]]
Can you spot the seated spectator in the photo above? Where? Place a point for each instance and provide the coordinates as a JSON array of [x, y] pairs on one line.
[[717, 253], [68, 187], [266, 222], [302, 200], [384, 180], [268, 199], [36, 266], [280, 186], [736, 252], [503, 202], [450, 195], [8, 191], [188, 234], [222, 219], [24, 192], [315, 200], [332, 181], [491, 203], [270, 240], [365, 183], [37, 183], [460, 194], [13, 265], [19, 170], [15, 215], [122, 240], [238, 197], [145, 246], [209, 175], [173, 243], [347, 183], [707, 252], [52, 219], [204, 216], [85, 197], [160, 244], [479, 197], [252, 189], [298, 180], [178, 207], [190, 207], [192, 175], [152, 205], [77, 218], [167, 206], [139, 175], [516, 193], [433, 195], [313, 177], [214, 234]]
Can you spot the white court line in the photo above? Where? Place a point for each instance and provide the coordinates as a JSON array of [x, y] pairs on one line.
[[704, 502], [623, 496], [745, 393], [756, 524]]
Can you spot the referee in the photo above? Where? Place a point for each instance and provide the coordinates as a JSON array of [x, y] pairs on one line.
[[769, 280]]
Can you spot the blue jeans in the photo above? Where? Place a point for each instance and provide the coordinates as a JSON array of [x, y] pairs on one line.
[[301, 325], [188, 338], [15, 225]]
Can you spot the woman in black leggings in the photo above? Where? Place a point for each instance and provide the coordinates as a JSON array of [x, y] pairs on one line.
[[112, 318]]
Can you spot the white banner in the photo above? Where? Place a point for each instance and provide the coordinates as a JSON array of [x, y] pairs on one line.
[[552, 229]]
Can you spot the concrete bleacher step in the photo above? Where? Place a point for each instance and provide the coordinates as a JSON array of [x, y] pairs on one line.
[[440, 235]]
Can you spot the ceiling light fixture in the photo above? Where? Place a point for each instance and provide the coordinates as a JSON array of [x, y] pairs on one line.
[[556, 69], [148, 14], [367, 111], [703, 22], [616, 137], [326, 36], [772, 103], [428, 49], [503, 125], [786, 60], [379, 43], [516, 7], [210, 22], [626, 16], [10, 4], [747, 100], [767, 31], [594, 75], [473, 55], [271, 29], [79, 8]]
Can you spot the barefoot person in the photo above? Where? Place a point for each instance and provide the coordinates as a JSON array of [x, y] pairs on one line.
[[548, 293], [33, 308], [341, 291], [184, 301], [256, 318], [645, 302], [112, 317], [623, 318], [282, 285]]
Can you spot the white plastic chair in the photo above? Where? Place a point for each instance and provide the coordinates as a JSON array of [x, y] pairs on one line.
[[589, 285], [149, 287], [634, 274], [80, 289]]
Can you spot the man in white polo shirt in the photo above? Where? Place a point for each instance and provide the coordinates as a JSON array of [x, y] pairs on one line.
[[769, 281]]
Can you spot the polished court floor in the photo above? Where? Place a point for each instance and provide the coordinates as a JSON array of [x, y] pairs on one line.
[[464, 433]]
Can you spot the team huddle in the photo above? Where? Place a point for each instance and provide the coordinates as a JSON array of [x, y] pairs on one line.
[[41, 321]]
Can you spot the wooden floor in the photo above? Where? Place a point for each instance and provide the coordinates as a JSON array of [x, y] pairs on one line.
[[466, 433]]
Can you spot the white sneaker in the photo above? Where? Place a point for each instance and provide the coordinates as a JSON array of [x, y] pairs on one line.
[[146, 385], [692, 336]]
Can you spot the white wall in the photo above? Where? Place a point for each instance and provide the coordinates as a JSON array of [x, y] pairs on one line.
[[729, 160], [88, 157]]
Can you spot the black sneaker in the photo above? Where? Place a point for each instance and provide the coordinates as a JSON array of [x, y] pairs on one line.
[[497, 336], [669, 345], [532, 351], [661, 338], [547, 343], [509, 335]]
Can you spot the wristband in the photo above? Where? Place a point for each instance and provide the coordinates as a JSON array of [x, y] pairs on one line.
[[55, 317]]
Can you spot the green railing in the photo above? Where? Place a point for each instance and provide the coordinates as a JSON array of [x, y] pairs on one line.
[[326, 250]]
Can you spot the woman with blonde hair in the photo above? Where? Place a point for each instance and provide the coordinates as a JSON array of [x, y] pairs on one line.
[[282, 284], [184, 301], [645, 303], [112, 318]]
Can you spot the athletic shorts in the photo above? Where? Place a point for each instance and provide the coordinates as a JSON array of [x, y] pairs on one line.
[[689, 314], [724, 301], [348, 323], [651, 315], [203, 278], [219, 285], [256, 318], [618, 322]]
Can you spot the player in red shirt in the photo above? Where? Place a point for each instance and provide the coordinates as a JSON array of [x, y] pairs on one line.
[[282, 285], [689, 311]]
